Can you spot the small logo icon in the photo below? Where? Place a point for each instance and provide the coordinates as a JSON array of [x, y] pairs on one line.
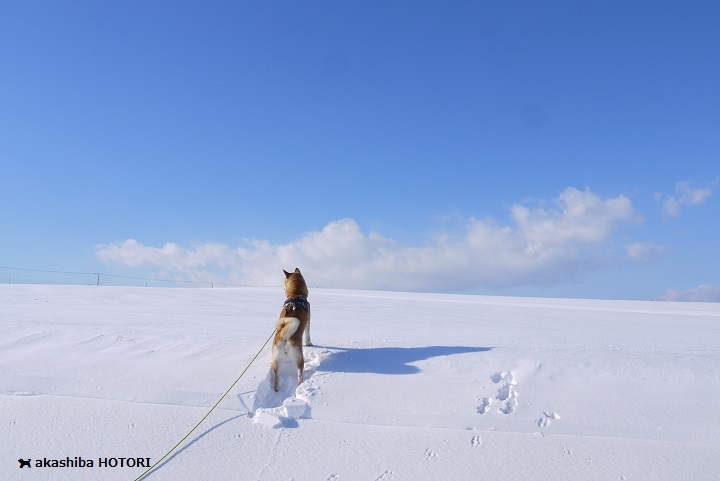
[[24, 463]]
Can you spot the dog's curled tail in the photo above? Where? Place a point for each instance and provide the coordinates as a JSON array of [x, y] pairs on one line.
[[286, 327]]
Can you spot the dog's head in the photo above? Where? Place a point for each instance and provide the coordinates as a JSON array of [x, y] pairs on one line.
[[295, 284]]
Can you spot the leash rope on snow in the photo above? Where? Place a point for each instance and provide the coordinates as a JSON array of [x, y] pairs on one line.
[[208, 413]]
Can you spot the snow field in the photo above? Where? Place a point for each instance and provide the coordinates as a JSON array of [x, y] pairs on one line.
[[399, 386]]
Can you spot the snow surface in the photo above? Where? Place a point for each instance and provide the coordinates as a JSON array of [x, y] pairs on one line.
[[399, 386]]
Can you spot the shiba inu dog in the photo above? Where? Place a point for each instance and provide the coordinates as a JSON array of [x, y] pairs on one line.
[[294, 321]]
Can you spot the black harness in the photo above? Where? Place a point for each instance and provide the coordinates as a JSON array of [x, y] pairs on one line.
[[294, 302]]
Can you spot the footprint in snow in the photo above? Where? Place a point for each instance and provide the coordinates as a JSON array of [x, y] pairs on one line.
[[476, 441], [546, 419], [386, 475], [507, 394], [429, 455], [485, 406]]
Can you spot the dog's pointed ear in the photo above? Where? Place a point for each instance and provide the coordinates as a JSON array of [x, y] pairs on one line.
[[287, 274], [297, 271]]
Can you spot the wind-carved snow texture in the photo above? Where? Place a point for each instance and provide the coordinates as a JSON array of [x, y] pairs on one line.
[[507, 394], [291, 402]]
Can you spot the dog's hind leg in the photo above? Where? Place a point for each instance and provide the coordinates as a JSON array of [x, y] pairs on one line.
[[308, 342], [275, 374], [300, 367]]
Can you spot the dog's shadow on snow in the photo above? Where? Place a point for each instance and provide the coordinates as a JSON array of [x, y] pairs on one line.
[[387, 360]]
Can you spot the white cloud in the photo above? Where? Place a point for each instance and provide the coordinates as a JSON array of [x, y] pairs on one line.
[[170, 256], [703, 293], [645, 252], [685, 195], [542, 246]]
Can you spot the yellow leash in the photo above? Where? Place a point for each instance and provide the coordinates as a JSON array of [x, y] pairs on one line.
[[208, 414]]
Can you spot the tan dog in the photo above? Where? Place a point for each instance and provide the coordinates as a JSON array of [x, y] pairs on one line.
[[294, 320]]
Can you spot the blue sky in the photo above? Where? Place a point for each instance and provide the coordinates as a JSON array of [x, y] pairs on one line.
[[518, 148]]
